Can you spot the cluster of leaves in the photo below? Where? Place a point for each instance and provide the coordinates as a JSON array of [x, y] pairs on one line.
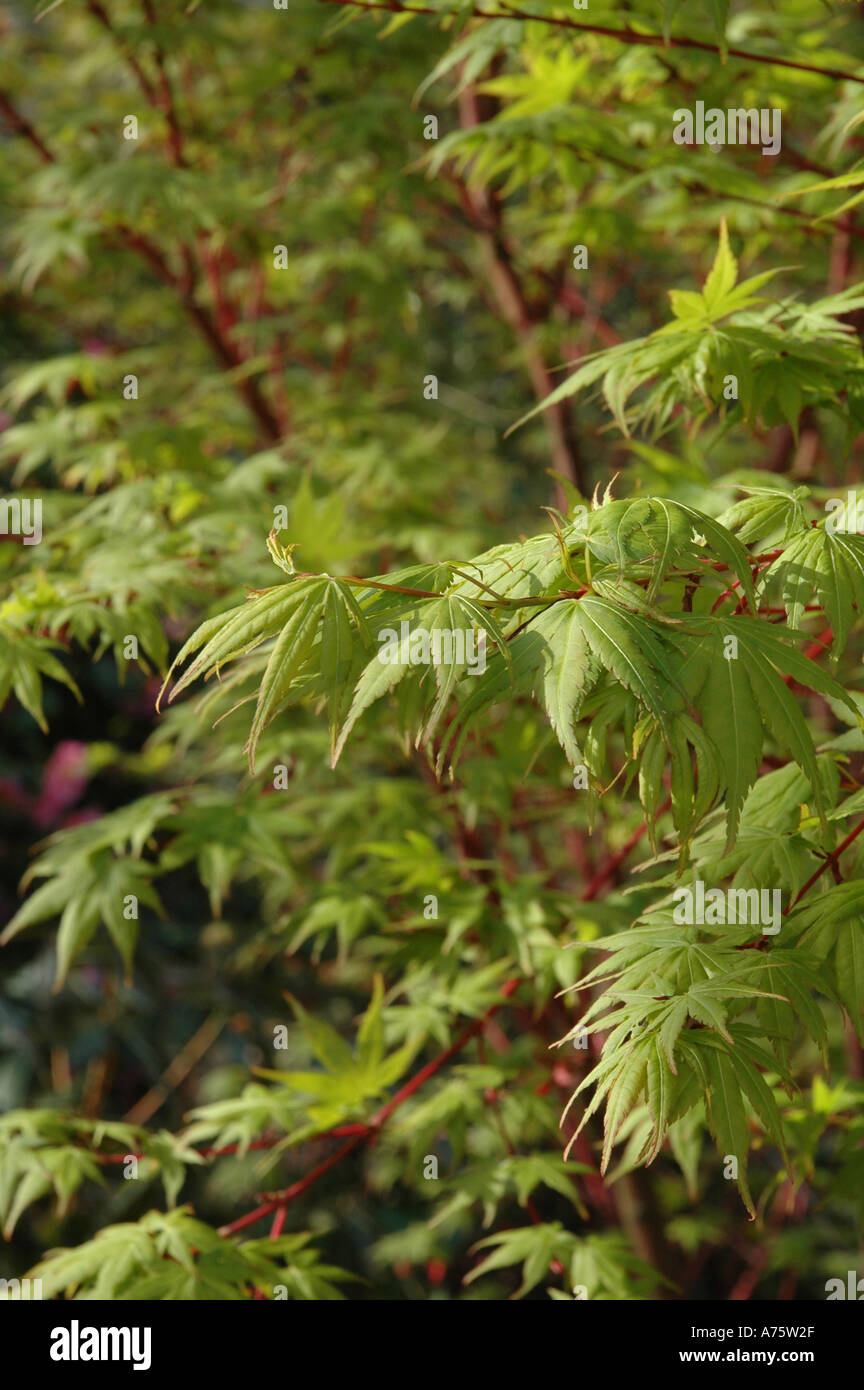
[[171, 1256], [591, 621], [773, 358], [46, 1152]]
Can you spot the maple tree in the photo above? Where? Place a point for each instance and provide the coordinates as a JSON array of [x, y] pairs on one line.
[[350, 961]]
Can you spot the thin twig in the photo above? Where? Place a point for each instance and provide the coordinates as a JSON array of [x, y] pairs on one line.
[[625, 36]]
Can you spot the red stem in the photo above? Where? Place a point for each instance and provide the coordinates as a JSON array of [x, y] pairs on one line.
[[826, 863], [616, 859], [627, 36], [281, 1199]]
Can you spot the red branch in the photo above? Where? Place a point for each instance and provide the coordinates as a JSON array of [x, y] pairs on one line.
[[626, 36], [281, 1199], [618, 858], [829, 860], [361, 1133], [814, 649], [183, 285], [21, 126]]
